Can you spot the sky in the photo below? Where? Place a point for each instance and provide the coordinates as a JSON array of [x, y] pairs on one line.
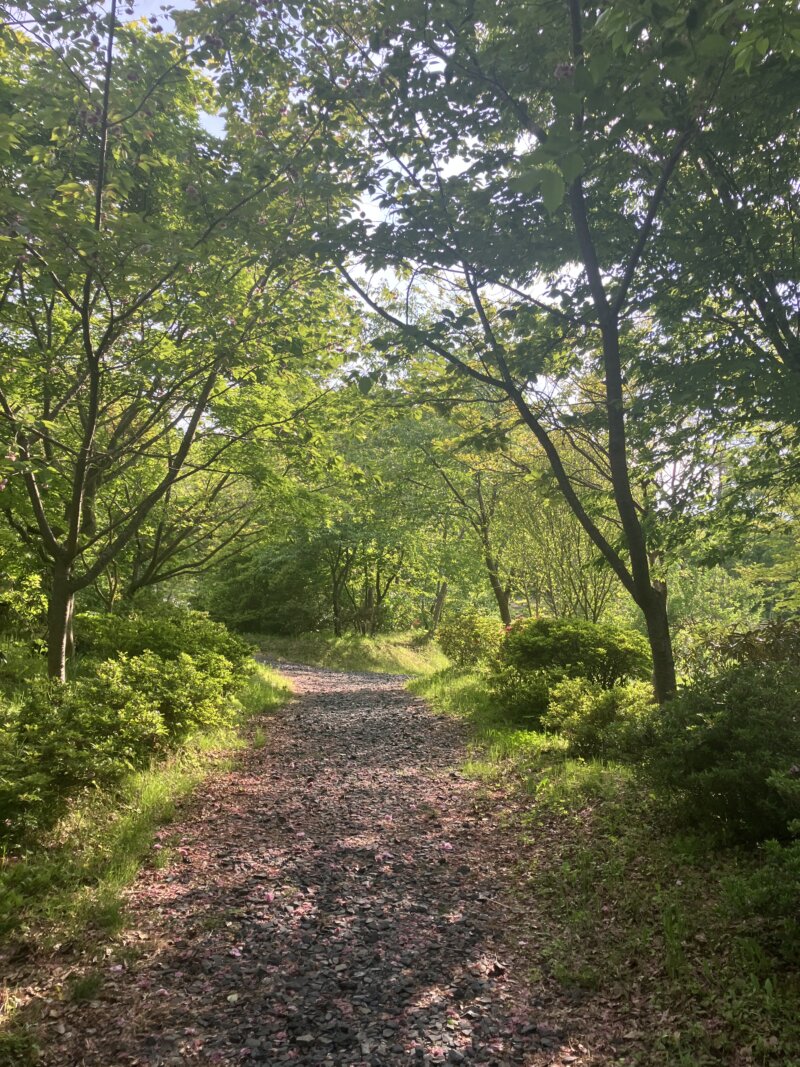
[[153, 7]]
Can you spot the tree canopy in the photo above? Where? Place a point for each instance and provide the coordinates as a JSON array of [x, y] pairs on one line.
[[491, 303]]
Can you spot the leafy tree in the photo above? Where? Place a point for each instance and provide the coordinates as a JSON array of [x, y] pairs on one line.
[[202, 519], [556, 565], [474, 494], [523, 159], [143, 273]]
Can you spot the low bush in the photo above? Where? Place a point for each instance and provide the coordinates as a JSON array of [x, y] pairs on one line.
[[767, 897], [23, 603], [20, 661], [168, 634], [576, 648], [92, 731], [777, 641], [599, 722], [712, 649], [188, 694], [522, 695], [537, 654], [470, 638], [68, 737], [728, 750]]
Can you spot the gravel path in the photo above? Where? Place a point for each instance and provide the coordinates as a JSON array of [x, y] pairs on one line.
[[333, 900]]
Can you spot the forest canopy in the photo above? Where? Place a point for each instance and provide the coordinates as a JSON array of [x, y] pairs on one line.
[[489, 307]]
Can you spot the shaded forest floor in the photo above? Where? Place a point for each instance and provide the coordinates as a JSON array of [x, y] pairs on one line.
[[339, 897]]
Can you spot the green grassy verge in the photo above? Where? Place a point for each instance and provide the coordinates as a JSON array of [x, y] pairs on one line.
[[75, 876], [385, 654], [699, 943]]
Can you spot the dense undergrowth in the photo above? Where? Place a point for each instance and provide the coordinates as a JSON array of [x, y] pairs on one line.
[[90, 767], [139, 687], [697, 938], [399, 653]]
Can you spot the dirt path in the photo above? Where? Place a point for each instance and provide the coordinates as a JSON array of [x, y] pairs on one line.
[[334, 900]]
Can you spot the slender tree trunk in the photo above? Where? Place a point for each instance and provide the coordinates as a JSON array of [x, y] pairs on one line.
[[650, 594], [501, 595], [438, 607], [337, 610], [370, 617], [655, 614], [60, 611]]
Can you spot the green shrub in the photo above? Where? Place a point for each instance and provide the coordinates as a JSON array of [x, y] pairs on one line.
[[777, 641], [695, 650], [597, 721], [20, 662], [68, 737], [188, 694], [93, 731], [537, 654], [768, 898], [714, 649], [728, 749], [470, 638], [167, 634], [576, 648], [23, 603], [523, 695], [84, 731]]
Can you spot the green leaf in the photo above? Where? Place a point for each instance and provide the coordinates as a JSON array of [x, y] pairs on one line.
[[600, 64], [527, 182], [571, 165], [553, 189], [650, 113], [713, 46]]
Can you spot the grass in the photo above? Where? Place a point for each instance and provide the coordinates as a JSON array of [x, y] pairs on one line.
[[75, 876], [703, 942], [402, 653], [498, 744]]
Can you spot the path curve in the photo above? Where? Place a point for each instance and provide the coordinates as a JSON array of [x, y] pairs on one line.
[[332, 900]]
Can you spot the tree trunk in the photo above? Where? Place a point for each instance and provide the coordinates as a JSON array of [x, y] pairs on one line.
[[438, 607], [655, 614], [60, 611], [370, 623], [501, 595], [337, 610]]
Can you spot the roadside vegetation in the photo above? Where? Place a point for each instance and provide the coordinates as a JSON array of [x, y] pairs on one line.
[[658, 858], [91, 768]]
